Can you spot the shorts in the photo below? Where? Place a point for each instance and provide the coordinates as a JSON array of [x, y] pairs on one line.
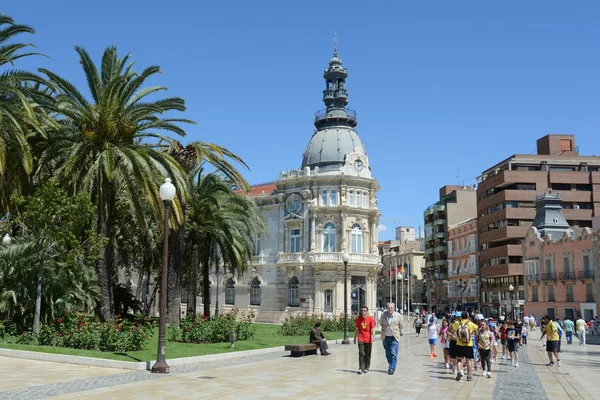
[[464, 352], [513, 345], [446, 344], [503, 341], [452, 349], [432, 341], [551, 345]]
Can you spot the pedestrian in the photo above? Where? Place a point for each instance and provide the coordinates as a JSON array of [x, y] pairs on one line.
[[560, 333], [452, 346], [519, 328], [417, 324], [580, 327], [464, 345], [492, 326], [445, 341], [432, 332], [365, 330], [391, 330], [551, 333], [512, 343], [484, 343], [502, 332], [569, 325], [524, 333], [317, 337]]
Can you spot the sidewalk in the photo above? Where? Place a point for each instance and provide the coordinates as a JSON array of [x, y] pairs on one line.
[[276, 375]]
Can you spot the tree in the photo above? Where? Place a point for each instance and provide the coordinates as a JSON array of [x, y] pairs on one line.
[[62, 228], [223, 227], [111, 145]]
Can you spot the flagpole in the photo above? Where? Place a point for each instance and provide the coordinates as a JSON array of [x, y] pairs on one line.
[[408, 300]]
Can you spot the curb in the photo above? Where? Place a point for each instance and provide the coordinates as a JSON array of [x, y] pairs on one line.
[[128, 365]]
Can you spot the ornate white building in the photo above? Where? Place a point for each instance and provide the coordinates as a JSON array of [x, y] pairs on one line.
[[314, 215]]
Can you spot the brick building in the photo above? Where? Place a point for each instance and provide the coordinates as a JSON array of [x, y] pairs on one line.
[[560, 267], [463, 280], [505, 208]]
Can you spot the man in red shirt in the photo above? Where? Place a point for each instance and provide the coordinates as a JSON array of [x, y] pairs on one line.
[[365, 329]]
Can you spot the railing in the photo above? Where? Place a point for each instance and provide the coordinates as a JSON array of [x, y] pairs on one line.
[[464, 250], [585, 274], [549, 276], [322, 114], [290, 258], [567, 276], [589, 298], [533, 277], [300, 258], [570, 298]]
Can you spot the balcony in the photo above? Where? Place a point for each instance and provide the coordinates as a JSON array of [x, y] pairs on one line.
[[429, 250], [577, 215], [503, 233], [328, 258], [570, 298], [440, 235], [589, 298], [502, 270], [440, 263], [567, 276], [507, 195], [585, 274], [349, 115], [501, 251], [439, 249], [441, 221], [429, 264], [549, 276], [532, 278]]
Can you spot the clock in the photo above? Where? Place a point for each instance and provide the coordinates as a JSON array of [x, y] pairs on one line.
[[358, 165]]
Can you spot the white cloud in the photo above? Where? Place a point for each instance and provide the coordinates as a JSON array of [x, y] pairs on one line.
[[382, 228]]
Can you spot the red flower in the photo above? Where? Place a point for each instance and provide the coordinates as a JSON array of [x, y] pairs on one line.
[[82, 324], [59, 320], [59, 334], [185, 329], [68, 333]]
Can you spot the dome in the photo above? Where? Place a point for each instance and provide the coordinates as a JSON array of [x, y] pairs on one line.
[[330, 145], [335, 60]]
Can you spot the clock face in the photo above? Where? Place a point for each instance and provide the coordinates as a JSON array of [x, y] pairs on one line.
[[358, 165]]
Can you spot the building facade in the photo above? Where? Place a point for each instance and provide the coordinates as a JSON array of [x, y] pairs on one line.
[[505, 207], [560, 266], [456, 204], [463, 257], [314, 215]]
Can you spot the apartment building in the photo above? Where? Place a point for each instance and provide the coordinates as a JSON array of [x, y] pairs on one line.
[[560, 267], [456, 204], [506, 208], [463, 279]]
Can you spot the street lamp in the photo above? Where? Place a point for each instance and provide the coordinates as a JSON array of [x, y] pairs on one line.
[[345, 259], [512, 310], [6, 240], [167, 194], [461, 287]]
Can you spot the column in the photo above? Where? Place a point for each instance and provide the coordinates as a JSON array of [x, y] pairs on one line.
[[374, 226], [313, 234]]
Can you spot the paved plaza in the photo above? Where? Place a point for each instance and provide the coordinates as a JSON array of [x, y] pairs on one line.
[[275, 375]]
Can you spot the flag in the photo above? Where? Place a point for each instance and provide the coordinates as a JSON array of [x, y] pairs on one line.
[[393, 271], [401, 268], [408, 269]]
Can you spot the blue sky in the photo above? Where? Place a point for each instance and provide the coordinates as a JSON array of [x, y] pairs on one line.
[[438, 85]]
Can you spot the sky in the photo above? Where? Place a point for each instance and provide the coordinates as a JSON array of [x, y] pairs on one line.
[[443, 90]]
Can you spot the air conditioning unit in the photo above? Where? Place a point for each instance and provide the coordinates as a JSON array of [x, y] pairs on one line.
[[576, 206]]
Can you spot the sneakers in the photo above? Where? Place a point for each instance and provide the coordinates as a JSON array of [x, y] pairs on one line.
[[469, 378], [488, 374], [504, 357], [558, 363], [434, 354], [517, 365], [550, 364], [359, 372], [447, 365], [365, 371], [459, 375]]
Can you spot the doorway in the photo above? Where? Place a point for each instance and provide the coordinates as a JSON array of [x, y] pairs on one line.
[[358, 293]]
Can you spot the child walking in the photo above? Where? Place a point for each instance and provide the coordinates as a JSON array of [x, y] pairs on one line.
[[524, 333], [445, 341], [512, 343], [432, 336], [484, 342]]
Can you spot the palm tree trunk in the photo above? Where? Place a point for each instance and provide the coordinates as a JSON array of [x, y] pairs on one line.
[[206, 281], [193, 286], [38, 293], [174, 275], [104, 308]]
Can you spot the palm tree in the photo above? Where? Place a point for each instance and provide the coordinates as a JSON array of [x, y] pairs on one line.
[[21, 117], [192, 159], [223, 226], [111, 144]]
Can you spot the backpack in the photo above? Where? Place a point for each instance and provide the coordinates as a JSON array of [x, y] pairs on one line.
[[463, 333], [559, 329]]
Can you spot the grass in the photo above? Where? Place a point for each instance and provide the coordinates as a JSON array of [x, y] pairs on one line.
[[266, 336]]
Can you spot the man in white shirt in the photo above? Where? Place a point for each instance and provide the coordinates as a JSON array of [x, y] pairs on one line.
[[391, 330], [580, 326]]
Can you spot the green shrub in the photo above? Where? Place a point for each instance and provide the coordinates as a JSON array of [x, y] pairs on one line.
[[194, 329], [300, 325]]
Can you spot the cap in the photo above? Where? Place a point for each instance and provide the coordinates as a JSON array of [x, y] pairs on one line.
[[502, 318], [457, 314]]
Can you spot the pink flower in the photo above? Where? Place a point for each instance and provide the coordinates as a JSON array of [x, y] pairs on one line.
[[59, 334], [59, 320]]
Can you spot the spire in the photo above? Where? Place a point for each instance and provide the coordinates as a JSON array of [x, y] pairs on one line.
[[335, 95]]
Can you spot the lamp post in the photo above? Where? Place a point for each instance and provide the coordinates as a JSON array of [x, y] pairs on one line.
[[167, 194], [512, 310], [461, 287], [6, 240], [345, 259]]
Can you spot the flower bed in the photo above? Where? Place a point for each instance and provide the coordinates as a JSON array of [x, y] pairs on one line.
[[193, 329], [301, 324]]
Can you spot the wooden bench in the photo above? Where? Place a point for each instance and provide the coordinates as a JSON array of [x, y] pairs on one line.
[[300, 350]]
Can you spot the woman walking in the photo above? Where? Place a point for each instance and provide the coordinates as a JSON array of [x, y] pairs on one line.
[[445, 341], [417, 324], [485, 338]]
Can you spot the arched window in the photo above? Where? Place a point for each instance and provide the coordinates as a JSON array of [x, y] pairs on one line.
[[356, 242], [230, 291], [329, 237], [293, 292], [255, 292]]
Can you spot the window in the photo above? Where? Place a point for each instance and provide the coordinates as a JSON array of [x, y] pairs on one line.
[[550, 312], [255, 292], [329, 237], [333, 198], [589, 292], [324, 198], [534, 293], [356, 242], [586, 263], [230, 291], [295, 241], [561, 186], [511, 204], [365, 204], [328, 300], [257, 246], [566, 145], [551, 293], [293, 292], [357, 199], [568, 268], [351, 197], [569, 313], [570, 293]]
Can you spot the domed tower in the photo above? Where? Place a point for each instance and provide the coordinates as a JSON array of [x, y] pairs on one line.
[[335, 143]]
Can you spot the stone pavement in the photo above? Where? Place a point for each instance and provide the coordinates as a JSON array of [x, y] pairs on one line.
[[275, 375]]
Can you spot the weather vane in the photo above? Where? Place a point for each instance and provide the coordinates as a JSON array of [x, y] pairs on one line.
[[335, 42]]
